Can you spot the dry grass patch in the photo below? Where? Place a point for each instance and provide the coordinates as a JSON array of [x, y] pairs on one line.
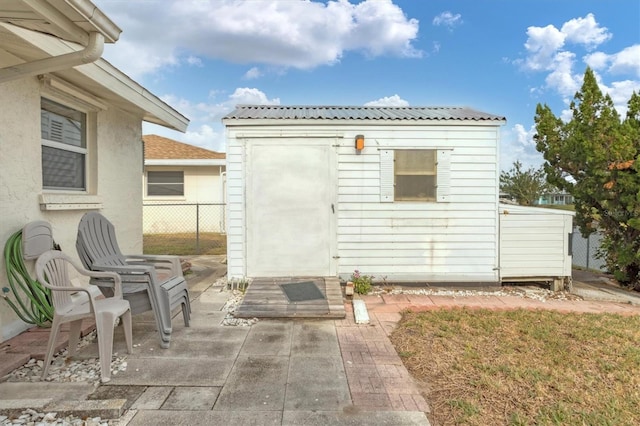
[[522, 367], [184, 244]]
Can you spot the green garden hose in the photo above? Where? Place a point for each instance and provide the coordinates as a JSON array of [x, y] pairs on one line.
[[31, 301]]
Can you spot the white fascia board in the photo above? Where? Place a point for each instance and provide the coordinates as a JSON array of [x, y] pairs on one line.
[[186, 162], [97, 18], [114, 80], [109, 78]]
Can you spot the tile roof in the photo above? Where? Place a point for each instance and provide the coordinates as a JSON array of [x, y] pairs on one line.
[[319, 112], [160, 148]]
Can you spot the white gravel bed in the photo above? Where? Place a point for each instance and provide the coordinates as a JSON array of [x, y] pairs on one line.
[[528, 292]]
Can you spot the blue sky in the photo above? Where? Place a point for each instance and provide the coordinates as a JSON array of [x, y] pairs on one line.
[[499, 56]]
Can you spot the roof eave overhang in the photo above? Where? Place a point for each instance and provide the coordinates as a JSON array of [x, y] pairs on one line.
[[186, 162], [108, 79], [231, 122]]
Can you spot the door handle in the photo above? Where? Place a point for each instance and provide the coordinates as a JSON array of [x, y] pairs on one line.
[[333, 209]]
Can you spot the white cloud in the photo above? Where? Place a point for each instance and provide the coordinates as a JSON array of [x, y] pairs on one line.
[[392, 101], [448, 19], [517, 144], [299, 34], [253, 73], [597, 60], [194, 60], [561, 77], [542, 45], [585, 31], [205, 129], [554, 51], [627, 61]]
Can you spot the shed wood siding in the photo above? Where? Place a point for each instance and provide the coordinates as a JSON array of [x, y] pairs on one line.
[[440, 241]]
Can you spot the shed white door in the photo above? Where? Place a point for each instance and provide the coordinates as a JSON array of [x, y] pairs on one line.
[[290, 208]]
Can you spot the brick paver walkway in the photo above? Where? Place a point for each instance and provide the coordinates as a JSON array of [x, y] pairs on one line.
[[377, 379]]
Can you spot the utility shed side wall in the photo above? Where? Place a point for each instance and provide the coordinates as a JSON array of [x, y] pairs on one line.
[[534, 243], [452, 241]]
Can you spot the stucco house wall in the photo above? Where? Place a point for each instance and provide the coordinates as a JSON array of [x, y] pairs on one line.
[[115, 107], [117, 155]]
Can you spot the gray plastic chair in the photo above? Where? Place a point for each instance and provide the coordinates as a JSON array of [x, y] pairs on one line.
[[52, 272], [148, 282]]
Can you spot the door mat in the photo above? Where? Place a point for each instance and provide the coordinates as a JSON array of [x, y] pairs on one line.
[[299, 292]]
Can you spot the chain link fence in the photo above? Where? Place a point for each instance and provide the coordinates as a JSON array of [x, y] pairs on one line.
[[184, 229], [585, 250]]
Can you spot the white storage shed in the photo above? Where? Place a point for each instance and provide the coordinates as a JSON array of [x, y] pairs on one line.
[[401, 193], [535, 245]]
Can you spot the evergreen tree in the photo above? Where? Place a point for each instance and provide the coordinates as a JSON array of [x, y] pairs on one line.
[[596, 158], [524, 186]]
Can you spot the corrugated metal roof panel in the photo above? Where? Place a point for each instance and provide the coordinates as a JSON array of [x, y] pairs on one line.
[[297, 112]]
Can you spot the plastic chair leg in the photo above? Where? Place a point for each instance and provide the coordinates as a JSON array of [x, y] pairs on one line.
[[126, 324], [53, 336], [105, 322], [74, 336]]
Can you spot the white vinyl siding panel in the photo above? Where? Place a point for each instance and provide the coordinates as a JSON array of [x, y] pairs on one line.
[[534, 243], [235, 183], [453, 238]]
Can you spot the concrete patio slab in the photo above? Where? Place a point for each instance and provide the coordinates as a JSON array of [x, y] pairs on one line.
[[191, 398], [191, 418], [152, 398], [314, 338], [269, 338], [317, 383], [256, 383], [332, 418], [174, 372]]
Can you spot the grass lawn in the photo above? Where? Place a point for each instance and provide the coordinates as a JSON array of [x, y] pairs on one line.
[[184, 244], [481, 367]]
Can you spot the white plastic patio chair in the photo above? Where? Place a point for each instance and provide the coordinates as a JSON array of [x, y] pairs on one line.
[[52, 272]]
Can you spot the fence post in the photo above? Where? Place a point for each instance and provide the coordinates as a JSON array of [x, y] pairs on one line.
[[588, 250], [198, 228]]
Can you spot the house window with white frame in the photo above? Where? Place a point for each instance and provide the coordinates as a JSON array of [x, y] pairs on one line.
[[415, 175], [64, 146], [165, 183]]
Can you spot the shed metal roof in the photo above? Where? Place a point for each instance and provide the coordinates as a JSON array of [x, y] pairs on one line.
[[310, 112]]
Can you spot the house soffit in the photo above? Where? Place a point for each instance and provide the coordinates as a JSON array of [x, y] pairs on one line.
[[70, 20]]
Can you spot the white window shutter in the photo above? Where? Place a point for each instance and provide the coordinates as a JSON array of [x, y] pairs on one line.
[[386, 176], [444, 175]]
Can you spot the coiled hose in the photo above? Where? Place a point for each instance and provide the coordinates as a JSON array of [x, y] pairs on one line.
[[31, 301]]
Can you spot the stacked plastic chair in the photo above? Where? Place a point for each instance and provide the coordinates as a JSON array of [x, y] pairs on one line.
[[148, 282]]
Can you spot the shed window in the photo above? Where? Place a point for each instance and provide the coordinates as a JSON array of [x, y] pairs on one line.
[[165, 183], [415, 175], [64, 146], [418, 175]]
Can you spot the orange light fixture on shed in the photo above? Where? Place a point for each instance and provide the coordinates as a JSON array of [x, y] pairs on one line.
[[359, 142]]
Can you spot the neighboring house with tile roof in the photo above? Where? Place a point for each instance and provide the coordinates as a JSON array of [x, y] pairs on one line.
[[70, 128], [182, 183]]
